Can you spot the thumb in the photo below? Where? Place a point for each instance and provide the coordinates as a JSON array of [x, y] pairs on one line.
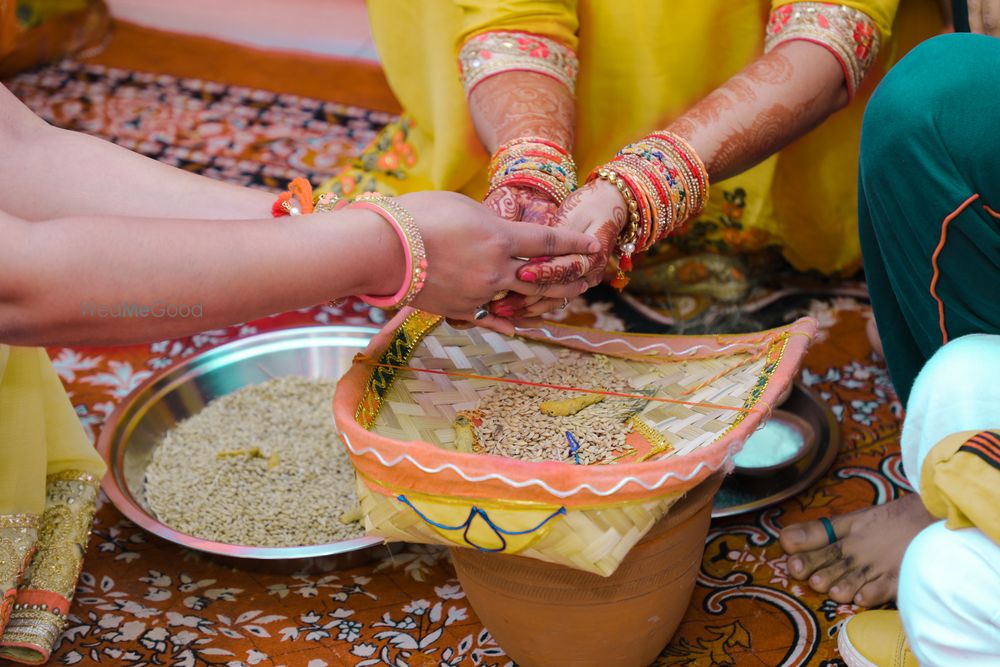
[[528, 240]]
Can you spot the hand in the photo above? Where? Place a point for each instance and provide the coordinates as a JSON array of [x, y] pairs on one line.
[[470, 255], [596, 209], [522, 204]]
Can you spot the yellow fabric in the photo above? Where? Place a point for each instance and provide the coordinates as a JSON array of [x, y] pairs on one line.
[[44, 452], [533, 522], [555, 18], [961, 487], [40, 434], [642, 63]]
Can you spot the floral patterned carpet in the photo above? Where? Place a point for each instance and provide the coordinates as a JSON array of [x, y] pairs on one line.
[[143, 601]]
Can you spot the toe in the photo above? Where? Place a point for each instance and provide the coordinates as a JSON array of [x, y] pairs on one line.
[[876, 592], [825, 577], [806, 536], [802, 565], [846, 588]]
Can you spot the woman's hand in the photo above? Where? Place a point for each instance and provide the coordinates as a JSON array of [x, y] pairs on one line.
[[522, 204], [471, 255], [598, 210]]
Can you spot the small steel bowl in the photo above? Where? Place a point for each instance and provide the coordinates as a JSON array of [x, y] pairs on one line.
[[140, 421], [806, 436]]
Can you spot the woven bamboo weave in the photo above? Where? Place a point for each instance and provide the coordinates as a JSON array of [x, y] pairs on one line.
[[423, 406], [422, 377], [593, 540]]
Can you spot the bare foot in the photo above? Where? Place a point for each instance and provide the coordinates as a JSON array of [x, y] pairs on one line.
[[862, 566]]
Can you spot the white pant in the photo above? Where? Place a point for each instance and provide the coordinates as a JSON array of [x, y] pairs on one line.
[[949, 586]]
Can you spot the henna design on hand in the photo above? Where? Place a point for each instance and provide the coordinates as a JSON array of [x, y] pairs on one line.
[[521, 104], [711, 109], [571, 203], [538, 209], [768, 134], [753, 115], [522, 204], [607, 234], [504, 203], [773, 69], [591, 267]]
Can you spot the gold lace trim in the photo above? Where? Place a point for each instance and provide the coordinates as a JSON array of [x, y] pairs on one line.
[[849, 34], [492, 53], [35, 627], [60, 544], [17, 538], [62, 540]]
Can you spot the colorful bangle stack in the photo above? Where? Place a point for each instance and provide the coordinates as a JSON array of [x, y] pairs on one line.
[[663, 183], [536, 163], [413, 249]]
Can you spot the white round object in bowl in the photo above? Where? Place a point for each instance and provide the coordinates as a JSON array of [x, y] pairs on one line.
[[784, 439]]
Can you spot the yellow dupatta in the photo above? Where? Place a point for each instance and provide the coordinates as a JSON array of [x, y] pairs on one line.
[[49, 476]]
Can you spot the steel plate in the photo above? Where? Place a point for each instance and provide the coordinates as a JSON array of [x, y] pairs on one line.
[[138, 424], [741, 494]]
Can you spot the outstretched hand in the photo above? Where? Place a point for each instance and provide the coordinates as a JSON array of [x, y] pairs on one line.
[[517, 204], [473, 255]]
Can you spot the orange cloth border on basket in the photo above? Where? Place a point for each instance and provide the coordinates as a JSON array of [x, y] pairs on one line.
[[424, 468]]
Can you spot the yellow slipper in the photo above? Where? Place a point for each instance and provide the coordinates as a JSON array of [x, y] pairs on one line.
[[875, 639]]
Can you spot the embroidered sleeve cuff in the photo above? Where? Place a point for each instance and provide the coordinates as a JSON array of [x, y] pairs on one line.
[[849, 34], [492, 53]]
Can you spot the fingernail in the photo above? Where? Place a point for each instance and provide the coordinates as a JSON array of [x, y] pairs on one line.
[[815, 580], [528, 275], [795, 565], [835, 590], [859, 600], [594, 246], [539, 260], [503, 311], [583, 287]]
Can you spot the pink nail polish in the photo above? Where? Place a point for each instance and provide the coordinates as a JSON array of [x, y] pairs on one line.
[[529, 276]]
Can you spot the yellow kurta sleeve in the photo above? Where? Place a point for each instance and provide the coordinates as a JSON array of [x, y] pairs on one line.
[[882, 12], [554, 19], [960, 481]]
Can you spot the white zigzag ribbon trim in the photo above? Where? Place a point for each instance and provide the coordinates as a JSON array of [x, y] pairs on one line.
[[645, 348], [535, 482]]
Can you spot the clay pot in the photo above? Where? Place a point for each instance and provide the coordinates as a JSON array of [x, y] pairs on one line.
[[546, 615]]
